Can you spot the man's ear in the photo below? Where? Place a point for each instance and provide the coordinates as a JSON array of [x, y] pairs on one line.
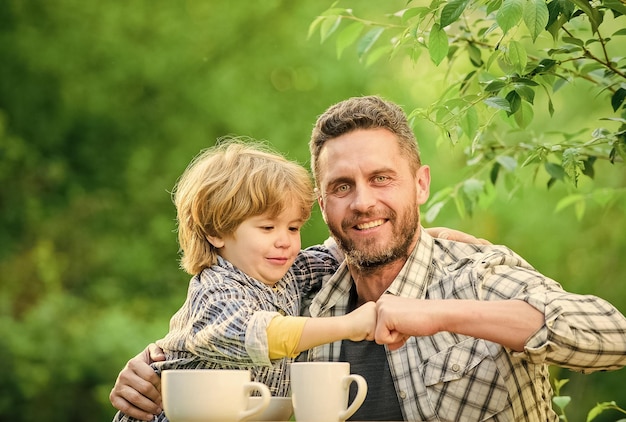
[[320, 202], [216, 241], [422, 184]]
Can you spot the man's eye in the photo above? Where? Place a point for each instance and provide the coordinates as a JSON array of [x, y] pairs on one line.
[[381, 179], [342, 188]]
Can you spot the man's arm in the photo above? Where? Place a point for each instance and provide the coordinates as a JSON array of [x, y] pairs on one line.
[[137, 390], [507, 322]]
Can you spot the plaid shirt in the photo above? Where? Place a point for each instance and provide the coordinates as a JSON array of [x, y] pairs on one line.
[[223, 322], [451, 377]]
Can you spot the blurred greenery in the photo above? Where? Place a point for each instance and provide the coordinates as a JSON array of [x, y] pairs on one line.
[[102, 105]]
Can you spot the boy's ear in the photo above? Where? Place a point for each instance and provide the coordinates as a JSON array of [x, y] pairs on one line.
[[215, 241]]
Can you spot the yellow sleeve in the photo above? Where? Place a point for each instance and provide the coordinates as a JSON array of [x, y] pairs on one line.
[[283, 336]]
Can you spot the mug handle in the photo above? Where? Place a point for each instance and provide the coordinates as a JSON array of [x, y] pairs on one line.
[[265, 394], [358, 399]]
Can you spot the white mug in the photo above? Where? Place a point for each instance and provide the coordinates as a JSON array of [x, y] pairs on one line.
[[207, 395], [319, 391]]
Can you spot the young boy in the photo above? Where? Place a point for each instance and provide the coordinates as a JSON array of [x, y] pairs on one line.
[[240, 209]]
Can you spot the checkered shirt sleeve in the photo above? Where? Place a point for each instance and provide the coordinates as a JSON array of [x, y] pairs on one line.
[[451, 377]]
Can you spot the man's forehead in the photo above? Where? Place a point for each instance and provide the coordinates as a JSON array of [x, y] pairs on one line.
[[346, 159]]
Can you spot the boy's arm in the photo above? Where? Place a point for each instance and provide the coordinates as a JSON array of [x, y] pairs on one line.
[[289, 336]]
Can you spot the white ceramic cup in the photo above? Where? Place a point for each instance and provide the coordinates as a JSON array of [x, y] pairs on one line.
[[210, 395], [319, 391]]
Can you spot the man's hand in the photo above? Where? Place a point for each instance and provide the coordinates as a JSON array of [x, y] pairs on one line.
[[456, 235], [137, 390], [400, 318]]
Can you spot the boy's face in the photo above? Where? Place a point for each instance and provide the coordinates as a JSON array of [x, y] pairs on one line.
[[265, 247]]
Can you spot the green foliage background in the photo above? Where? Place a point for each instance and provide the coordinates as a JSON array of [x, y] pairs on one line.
[[103, 104]]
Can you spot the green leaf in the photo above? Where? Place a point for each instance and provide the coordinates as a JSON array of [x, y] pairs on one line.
[[567, 201], [510, 14], [526, 93], [329, 26], [588, 169], [493, 5], [509, 163], [498, 102], [594, 15], [473, 188], [561, 401], [466, 81], [550, 106], [348, 36], [368, 40], [524, 115], [535, 17], [575, 41], [495, 85], [493, 174], [615, 5], [555, 170], [599, 408], [523, 81], [618, 98], [603, 196], [515, 102], [573, 163], [558, 384], [474, 55], [452, 11], [517, 56], [313, 27], [411, 12], [433, 211], [469, 123], [533, 157], [460, 203], [437, 44], [442, 195], [377, 53]]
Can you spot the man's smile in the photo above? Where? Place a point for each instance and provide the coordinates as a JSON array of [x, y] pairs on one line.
[[370, 224]]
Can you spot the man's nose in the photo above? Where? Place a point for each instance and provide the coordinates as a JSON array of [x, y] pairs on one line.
[[364, 198]]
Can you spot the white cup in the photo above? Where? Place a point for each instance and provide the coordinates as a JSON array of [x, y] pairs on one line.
[[319, 391], [210, 395]]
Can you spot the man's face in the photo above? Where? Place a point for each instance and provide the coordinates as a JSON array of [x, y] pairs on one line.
[[369, 197]]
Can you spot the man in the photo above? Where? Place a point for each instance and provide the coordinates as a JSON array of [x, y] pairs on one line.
[[465, 331]]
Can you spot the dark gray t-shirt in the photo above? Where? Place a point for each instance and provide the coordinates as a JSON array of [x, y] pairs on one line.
[[369, 360]]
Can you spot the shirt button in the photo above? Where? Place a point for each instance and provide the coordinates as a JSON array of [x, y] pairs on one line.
[[402, 395], [456, 368]]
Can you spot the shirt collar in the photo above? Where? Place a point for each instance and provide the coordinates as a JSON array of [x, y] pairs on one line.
[[412, 281], [417, 272]]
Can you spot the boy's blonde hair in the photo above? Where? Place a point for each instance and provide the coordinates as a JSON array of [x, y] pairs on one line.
[[224, 185]]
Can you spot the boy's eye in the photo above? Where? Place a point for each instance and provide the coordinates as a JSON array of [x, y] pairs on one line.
[[267, 227], [294, 229]]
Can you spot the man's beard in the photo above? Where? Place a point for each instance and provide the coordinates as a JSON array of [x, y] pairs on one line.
[[369, 256]]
